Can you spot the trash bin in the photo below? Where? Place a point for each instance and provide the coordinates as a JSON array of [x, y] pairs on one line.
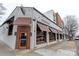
[[77, 44]]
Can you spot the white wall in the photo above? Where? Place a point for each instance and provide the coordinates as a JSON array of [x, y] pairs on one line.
[[9, 40], [33, 37]]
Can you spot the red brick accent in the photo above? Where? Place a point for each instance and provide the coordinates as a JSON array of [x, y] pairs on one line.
[[59, 21]]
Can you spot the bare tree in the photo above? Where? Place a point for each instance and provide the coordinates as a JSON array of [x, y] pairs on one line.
[[71, 26]]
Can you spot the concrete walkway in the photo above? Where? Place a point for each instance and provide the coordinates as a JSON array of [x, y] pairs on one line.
[[5, 50], [66, 48]]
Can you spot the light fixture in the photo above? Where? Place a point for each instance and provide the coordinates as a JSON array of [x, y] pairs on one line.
[[33, 19]]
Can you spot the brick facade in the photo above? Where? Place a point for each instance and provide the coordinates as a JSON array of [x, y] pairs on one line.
[[59, 21]]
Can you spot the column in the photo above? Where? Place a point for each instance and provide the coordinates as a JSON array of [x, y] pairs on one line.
[[64, 37], [59, 37], [47, 37], [33, 35], [56, 36]]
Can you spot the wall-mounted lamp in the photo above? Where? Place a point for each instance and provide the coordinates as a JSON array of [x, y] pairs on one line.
[[7, 27], [34, 20], [30, 33]]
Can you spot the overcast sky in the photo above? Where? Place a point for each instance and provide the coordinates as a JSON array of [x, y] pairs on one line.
[[63, 7]]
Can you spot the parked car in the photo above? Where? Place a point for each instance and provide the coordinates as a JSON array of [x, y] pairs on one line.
[[76, 37], [77, 44]]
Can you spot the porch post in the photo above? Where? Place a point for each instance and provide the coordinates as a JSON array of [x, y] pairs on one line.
[[47, 37], [33, 35], [64, 37], [59, 37], [56, 36]]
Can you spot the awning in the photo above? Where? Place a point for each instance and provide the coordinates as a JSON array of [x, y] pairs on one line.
[[43, 27], [53, 30], [22, 21]]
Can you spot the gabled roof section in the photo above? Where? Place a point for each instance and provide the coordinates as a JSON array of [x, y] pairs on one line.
[[11, 19], [50, 15], [22, 9], [45, 16], [10, 16]]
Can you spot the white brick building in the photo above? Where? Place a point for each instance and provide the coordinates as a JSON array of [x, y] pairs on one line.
[[28, 28]]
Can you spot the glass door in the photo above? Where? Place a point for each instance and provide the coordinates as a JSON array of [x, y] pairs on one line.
[[23, 39]]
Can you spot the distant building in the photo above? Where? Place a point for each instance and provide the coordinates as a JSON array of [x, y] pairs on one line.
[[55, 17], [51, 15], [59, 21]]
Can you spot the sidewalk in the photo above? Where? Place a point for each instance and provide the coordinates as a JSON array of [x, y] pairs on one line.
[[66, 48], [5, 50]]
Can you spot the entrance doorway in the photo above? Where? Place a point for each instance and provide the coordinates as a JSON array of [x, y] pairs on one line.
[[23, 37]]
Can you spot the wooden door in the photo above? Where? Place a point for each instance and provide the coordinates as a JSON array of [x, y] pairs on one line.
[[23, 37]]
